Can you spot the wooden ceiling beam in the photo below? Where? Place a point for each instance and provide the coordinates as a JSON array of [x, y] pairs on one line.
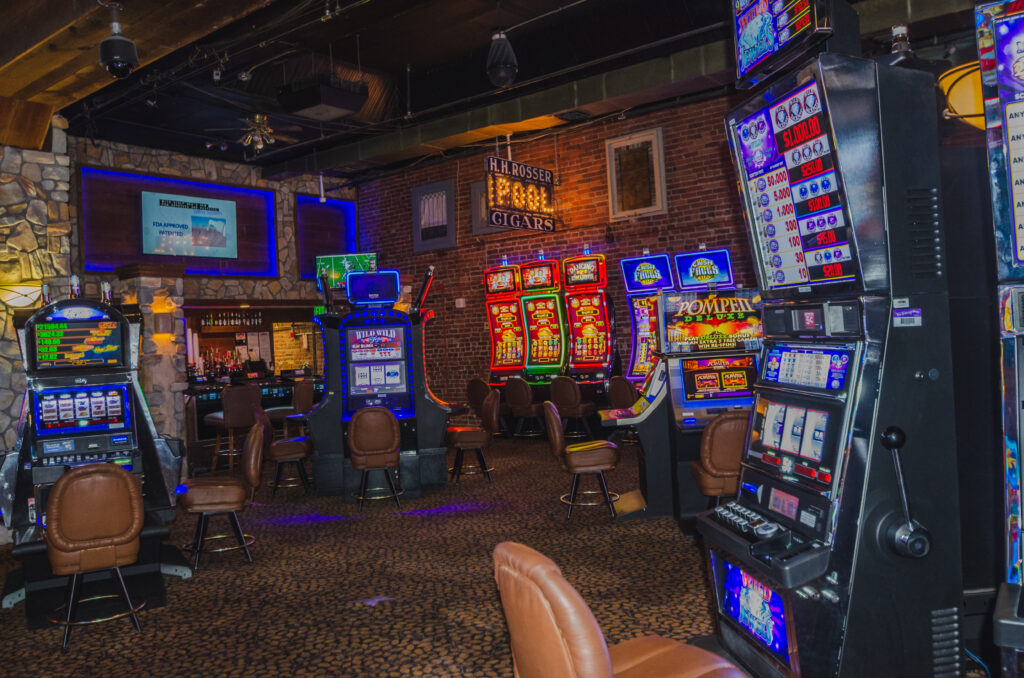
[[63, 67], [24, 123]]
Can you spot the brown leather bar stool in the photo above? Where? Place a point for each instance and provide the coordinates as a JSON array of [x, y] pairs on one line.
[[94, 516], [235, 417], [213, 495], [282, 452], [565, 394], [519, 397], [373, 441], [593, 457], [553, 632], [303, 393], [622, 395], [721, 450], [476, 391], [464, 438]]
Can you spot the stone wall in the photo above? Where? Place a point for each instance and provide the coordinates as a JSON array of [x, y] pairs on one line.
[[35, 225]]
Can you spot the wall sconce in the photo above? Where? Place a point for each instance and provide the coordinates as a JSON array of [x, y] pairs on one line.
[[163, 323], [20, 295]]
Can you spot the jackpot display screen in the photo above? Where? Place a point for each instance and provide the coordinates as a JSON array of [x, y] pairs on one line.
[[766, 27], [77, 343], [508, 336], [714, 378], [588, 321], [757, 609], [795, 200], [89, 409], [542, 317]]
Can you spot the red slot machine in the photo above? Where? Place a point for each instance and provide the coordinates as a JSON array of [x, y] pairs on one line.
[[589, 322], [544, 318], [502, 289]]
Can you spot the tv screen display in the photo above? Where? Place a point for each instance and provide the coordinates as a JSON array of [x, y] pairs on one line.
[[87, 409], [188, 226]]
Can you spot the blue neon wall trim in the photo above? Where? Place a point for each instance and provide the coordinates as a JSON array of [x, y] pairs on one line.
[[193, 267], [347, 210]]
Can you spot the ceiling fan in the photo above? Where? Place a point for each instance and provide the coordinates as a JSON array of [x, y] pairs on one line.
[[258, 133]]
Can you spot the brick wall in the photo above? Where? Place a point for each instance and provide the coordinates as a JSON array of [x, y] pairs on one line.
[[289, 353], [703, 207]]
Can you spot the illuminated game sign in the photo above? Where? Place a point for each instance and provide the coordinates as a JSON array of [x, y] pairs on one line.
[[795, 202], [1009, 69], [647, 274], [712, 378], [520, 196], [583, 272], [698, 270], [711, 322]]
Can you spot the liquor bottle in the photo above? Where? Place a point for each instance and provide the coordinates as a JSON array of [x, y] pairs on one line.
[[45, 293], [105, 295], [76, 287]]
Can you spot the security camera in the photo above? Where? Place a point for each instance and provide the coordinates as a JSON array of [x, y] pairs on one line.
[[117, 53]]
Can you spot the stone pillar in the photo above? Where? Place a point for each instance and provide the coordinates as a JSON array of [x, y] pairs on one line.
[[158, 290]]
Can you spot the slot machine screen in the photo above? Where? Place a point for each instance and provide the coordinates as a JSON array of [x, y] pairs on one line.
[[62, 344], [582, 272], [377, 367], [748, 603], [507, 337], [87, 409], [710, 379], [542, 316], [797, 436], [764, 28], [588, 318], [539, 276], [796, 206], [500, 281], [824, 369]]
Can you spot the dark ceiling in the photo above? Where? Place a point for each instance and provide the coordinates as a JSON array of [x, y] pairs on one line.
[[419, 58]]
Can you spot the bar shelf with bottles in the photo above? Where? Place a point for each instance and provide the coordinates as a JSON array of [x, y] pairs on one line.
[[269, 345]]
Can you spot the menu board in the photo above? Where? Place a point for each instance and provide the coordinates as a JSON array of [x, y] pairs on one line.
[[376, 343], [77, 343], [588, 325], [809, 367], [87, 409], [794, 195], [508, 338], [766, 27], [542, 317]]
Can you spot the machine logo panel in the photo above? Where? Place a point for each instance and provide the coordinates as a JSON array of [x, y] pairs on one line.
[[794, 194], [647, 274], [507, 336], [759, 610], [711, 322], [698, 270]]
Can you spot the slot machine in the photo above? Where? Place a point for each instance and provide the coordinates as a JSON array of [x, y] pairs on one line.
[[84, 404], [588, 320], [374, 357], [841, 554], [544, 317], [502, 288], [644, 276]]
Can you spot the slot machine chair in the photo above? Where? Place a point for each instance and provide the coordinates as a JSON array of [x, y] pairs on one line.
[[374, 438], [236, 415], [94, 518], [303, 395], [717, 472], [519, 397], [593, 457], [464, 438], [282, 452], [476, 390], [565, 394], [622, 395], [553, 632], [212, 495]]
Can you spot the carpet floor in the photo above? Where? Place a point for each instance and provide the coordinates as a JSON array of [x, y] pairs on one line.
[[335, 593]]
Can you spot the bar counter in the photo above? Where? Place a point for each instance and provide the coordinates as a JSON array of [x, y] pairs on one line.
[[277, 392]]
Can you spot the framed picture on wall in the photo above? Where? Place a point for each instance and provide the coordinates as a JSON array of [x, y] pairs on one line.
[[636, 175], [433, 216]]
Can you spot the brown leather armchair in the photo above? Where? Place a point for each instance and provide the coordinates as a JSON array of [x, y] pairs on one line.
[[212, 495], [464, 438], [721, 450], [593, 457], [565, 394], [519, 397], [282, 452], [373, 441], [554, 633], [234, 417], [94, 516]]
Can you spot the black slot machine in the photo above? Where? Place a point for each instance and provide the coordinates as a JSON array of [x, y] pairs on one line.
[[84, 405], [841, 555], [588, 321], [502, 289], [374, 357], [644, 276], [544, 317]]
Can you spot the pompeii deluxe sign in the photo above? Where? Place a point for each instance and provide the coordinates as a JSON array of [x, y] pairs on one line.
[[519, 196]]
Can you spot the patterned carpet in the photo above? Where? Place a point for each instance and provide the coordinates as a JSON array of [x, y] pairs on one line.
[[334, 594]]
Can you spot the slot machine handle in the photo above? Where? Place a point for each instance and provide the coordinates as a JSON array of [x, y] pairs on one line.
[[908, 538]]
